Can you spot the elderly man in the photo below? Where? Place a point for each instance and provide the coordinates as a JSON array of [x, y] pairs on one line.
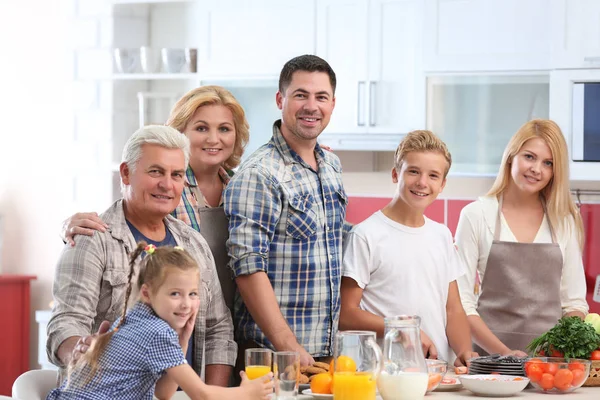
[[91, 278]]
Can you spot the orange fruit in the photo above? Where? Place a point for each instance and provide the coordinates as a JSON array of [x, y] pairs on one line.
[[331, 367], [344, 364], [321, 383]]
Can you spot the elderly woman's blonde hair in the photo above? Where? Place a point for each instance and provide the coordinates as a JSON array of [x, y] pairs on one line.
[[185, 108], [421, 141], [559, 203]]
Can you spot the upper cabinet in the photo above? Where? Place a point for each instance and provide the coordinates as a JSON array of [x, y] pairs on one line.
[[576, 35], [375, 49], [256, 38], [488, 35]]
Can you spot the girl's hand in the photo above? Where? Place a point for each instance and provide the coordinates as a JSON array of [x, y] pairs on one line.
[[463, 359], [188, 329], [259, 388]]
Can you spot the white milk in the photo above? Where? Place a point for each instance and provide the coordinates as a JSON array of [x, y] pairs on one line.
[[403, 386]]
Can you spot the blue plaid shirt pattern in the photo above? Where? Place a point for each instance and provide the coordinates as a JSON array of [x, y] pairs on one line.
[[138, 354], [287, 220]]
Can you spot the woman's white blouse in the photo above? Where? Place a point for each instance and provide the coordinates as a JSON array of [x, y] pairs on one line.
[[474, 236]]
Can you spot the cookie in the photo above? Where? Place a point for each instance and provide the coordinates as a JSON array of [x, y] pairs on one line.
[[323, 365], [312, 370], [303, 378]]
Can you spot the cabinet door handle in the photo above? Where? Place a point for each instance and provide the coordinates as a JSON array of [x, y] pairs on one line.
[[372, 103], [360, 121]]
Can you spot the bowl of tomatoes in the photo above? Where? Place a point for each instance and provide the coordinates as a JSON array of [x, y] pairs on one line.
[[556, 374]]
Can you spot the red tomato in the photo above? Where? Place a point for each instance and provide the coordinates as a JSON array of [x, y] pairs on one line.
[[579, 377], [595, 355], [576, 365], [556, 353], [563, 379], [535, 372], [547, 381], [530, 363], [550, 368]]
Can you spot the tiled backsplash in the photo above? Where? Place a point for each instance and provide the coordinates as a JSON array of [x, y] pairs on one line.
[[447, 211]]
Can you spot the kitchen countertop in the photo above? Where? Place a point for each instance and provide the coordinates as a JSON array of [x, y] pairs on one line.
[[584, 393]]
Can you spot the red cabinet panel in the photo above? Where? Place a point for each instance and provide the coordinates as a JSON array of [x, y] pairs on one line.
[[454, 209], [14, 336], [590, 213]]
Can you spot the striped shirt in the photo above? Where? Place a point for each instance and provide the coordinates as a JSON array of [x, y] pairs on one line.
[[136, 357], [192, 198], [287, 220]]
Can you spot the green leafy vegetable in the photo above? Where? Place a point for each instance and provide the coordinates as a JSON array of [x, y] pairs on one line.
[[571, 336]]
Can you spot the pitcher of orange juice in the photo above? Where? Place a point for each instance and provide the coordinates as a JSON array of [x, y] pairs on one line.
[[357, 362], [404, 375]]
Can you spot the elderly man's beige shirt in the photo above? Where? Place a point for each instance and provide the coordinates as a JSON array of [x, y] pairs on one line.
[[91, 279]]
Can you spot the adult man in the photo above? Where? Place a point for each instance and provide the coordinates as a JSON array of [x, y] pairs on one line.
[[91, 278], [287, 208]]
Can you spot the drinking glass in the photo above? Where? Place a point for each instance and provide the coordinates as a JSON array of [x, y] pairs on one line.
[[286, 368], [357, 363], [258, 362]]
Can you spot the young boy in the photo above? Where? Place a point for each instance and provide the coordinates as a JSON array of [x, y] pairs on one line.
[[398, 261]]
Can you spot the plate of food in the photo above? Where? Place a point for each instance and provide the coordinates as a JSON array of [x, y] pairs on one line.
[[494, 385], [317, 396], [449, 383]]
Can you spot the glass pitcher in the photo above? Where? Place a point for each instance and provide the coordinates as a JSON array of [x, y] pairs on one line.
[[404, 375], [357, 363]]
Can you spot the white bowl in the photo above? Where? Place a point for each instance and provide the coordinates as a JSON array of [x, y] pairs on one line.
[[318, 396], [494, 385]]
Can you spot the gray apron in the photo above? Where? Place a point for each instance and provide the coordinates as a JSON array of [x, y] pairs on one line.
[[520, 291], [214, 227]]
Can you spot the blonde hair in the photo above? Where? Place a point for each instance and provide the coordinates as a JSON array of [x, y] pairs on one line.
[[154, 269], [421, 141], [556, 195], [185, 108]]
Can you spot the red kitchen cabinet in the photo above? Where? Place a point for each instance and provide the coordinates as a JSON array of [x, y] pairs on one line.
[[14, 335]]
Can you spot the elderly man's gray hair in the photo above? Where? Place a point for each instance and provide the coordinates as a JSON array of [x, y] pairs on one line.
[[161, 135]]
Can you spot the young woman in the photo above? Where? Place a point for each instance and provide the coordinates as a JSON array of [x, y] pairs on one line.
[[143, 355], [521, 244]]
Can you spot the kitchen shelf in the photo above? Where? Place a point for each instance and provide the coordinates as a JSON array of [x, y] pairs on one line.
[[155, 77]]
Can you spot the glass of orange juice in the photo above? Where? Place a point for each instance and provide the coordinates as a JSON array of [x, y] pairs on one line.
[[258, 362], [357, 363]]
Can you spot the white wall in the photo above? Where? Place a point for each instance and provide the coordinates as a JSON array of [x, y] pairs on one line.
[[35, 134]]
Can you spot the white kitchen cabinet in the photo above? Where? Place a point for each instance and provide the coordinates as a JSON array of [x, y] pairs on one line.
[[576, 33], [488, 35], [380, 91], [253, 38]]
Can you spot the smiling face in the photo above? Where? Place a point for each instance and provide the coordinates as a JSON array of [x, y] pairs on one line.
[[306, 106], [211, 131], [531, 169], [420, 178], [154, 187], [177, 298]]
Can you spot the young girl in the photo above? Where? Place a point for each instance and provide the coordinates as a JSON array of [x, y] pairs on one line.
[[144, 354], [524, 241]]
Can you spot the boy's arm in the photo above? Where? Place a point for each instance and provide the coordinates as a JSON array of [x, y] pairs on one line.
[[457, 327], [351, 316]]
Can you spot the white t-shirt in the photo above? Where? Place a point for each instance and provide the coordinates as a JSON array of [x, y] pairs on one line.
[[474, 237], [404, 270]]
